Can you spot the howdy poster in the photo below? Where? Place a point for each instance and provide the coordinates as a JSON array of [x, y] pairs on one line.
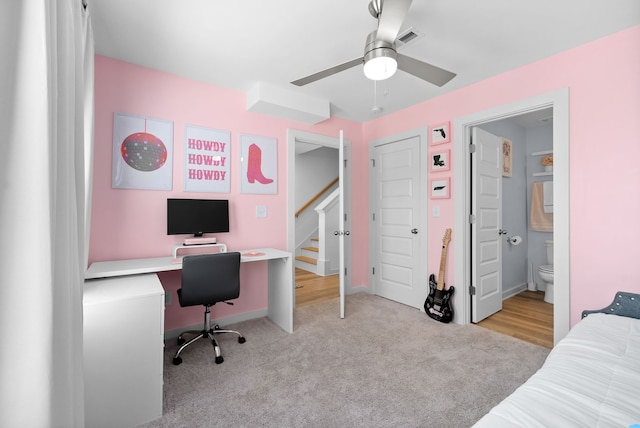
[[206, 160]]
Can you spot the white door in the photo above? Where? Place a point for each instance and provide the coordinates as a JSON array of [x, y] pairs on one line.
[[395, 241], [341, 226], [486, 238]]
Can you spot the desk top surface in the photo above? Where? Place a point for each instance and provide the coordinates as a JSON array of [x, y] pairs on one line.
[[112, 268]]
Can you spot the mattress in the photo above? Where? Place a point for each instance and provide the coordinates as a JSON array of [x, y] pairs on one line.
[[590, 379]]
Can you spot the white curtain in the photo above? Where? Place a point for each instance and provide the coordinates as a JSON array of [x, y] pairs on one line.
[[46, 133]]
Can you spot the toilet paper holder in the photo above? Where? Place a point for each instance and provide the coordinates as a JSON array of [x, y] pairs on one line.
[[514, 240]]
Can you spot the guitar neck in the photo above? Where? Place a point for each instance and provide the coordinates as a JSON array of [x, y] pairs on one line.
[[443, 259]]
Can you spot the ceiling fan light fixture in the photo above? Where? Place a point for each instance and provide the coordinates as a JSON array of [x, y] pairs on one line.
[[380, 64]]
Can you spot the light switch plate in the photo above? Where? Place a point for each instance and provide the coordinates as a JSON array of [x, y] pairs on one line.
[[261, 211], [436, 210]]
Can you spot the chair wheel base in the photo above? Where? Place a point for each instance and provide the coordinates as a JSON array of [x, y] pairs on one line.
[[219, 360], [177, 361], [241, 339]]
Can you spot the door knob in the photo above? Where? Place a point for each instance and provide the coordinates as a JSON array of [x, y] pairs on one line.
[[414, 231]]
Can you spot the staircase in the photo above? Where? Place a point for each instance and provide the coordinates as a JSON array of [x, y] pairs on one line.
[[308, 259], [318, 250]]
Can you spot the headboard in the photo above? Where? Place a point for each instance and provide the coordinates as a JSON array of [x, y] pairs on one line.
[[624, 304]]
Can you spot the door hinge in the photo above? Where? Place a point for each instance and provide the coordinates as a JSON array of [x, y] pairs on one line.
[[373, 271], [345, 163], [373, 216], [472, 219], [345, 216], [345, 271], [472, 148], [472, 290], [373, 163]]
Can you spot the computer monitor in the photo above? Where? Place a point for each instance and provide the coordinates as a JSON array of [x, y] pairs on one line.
[[197, 216]]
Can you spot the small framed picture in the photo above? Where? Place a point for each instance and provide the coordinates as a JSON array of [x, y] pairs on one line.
[[440, 188], [440, 161], [507, 158], [440, 133]]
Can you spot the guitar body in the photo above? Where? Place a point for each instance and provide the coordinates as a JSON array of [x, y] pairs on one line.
[[438, 303]]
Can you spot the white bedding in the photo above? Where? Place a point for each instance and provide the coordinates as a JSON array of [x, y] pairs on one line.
[[590, 379]]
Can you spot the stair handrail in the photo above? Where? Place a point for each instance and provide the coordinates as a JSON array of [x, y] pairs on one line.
[[317, 196]]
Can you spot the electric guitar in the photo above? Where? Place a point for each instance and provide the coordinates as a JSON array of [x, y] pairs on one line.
[[438, 303]]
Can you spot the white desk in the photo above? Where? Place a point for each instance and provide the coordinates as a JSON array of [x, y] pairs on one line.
[[281, 291], [124, 329]]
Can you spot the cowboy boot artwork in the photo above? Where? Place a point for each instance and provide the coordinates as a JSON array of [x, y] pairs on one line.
[[254, 167]]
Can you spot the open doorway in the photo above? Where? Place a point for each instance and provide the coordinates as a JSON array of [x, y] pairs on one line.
[[559, 102], [512, 237], [322, 287]]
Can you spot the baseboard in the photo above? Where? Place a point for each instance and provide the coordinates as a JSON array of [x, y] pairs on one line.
[[173, 334], [513, 291]]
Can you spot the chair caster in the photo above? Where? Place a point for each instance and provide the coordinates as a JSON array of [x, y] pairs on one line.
[[241, 339], [177, 361], [180, 341], [219, 360]]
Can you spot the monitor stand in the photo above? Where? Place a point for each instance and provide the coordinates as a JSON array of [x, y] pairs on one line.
[[199, 241], [176, 248]]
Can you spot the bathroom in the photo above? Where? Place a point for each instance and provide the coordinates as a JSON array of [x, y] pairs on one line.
[[531, 138]]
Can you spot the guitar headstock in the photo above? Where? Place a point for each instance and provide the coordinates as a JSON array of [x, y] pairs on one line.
[[446, 238]]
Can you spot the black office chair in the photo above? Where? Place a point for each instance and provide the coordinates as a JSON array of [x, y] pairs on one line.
[[206, 280]]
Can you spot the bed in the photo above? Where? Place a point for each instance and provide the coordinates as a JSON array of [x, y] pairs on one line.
[[591, 378]]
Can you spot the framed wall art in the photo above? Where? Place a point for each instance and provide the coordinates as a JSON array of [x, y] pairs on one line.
[[507, 158], [440, 161], [142, 153], [440, 188], [440, 133], [206, 160], [258, 165]]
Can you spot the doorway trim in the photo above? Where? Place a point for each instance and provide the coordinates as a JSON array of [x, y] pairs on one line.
[[559, 101], [294, 136]]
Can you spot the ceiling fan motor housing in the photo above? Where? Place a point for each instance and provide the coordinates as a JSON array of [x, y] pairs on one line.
[[379, 51]]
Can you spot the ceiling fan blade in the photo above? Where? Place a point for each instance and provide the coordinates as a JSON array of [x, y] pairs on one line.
[[432, 74], [391, 18], [328, 72]]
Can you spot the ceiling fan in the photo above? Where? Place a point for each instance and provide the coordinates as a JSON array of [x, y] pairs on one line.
[[380, 57]]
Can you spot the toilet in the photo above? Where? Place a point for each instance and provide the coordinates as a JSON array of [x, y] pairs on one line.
[[546, 272]]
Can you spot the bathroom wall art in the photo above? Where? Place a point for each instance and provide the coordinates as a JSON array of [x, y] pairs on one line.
[[207, 160], [142, 153], [258, 165], [440, 133], [507, 158], [440, 161], [440, 188]]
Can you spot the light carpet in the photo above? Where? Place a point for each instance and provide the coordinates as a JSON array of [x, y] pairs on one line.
[[384, 365]]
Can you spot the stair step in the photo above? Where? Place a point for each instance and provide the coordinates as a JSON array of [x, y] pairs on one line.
[[307, 260], [315, 239], [314, 249]]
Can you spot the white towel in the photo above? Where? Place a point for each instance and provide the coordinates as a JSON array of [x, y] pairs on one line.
[[547, 196], [540, 221]]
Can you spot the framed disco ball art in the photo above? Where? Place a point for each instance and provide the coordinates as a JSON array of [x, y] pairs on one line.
[[142, 153]]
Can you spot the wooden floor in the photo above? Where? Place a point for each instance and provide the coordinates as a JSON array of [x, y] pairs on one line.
[[312, 288], [525, 316]]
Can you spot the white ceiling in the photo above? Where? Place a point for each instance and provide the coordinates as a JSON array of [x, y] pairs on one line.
[[237, 43]]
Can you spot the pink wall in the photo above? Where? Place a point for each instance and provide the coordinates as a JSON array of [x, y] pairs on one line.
[[604, 86], [131, 223], [603, 78]]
